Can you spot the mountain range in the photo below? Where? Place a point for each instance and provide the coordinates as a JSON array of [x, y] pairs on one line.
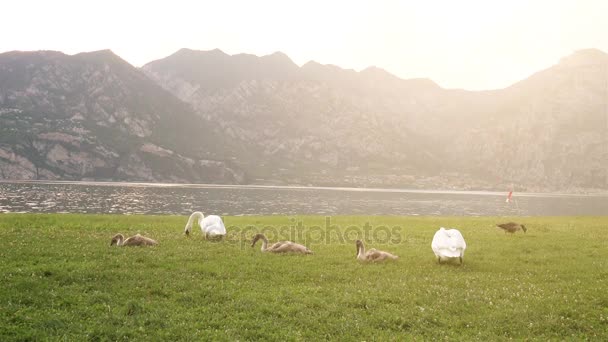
[[210, 117]]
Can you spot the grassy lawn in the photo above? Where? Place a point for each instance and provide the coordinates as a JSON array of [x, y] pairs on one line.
[[60, 280]]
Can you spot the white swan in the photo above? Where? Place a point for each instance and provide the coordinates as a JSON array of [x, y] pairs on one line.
[[212, 226], [448, 244]]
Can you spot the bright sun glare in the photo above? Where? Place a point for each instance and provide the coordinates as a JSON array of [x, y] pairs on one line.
[[468, 44]]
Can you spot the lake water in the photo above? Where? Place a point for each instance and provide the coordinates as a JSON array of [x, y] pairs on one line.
[[140, 198]]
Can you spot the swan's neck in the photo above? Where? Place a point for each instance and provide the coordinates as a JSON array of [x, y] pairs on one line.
[[264, 243], [121, 241], [361, 251], [194, 216]]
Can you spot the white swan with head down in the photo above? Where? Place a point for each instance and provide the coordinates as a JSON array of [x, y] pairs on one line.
[[448, 244], [212, 226]]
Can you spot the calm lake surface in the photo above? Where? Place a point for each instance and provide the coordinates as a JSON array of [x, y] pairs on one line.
[[139, 198]]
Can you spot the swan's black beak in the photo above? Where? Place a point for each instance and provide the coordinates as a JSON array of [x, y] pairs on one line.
[[187, 233]]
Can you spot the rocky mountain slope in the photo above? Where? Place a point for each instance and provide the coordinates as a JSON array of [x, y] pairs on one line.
[[205, 116], [548, 131], [321, 124], [94, 116]]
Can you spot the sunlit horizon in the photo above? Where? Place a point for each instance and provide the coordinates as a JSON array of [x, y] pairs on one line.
[[473, 45]]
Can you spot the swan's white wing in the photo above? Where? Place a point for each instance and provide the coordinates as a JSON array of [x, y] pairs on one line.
[[212, 220], [458, 239], [448, 243], [440, 243], [215, 230], [213, 225]]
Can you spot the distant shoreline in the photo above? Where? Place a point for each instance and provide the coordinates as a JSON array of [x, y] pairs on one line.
[[302, 187]]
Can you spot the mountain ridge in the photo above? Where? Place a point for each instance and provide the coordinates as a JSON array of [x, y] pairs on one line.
[[265, 120], [93, 116], [413, 112]]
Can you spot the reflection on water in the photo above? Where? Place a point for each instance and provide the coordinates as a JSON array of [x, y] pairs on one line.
[[123, 198]]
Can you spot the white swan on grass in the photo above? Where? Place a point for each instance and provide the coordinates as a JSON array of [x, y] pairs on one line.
[[448, 244], [212, 226]]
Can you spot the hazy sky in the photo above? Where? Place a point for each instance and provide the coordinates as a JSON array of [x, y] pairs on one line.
[[457, 43]]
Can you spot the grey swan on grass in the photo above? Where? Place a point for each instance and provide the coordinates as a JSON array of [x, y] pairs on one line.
[[137, 240], [281, 246], [512, 227], [372, 254]]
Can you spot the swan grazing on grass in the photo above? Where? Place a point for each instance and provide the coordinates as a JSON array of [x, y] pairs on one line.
[[373, 254], [448, 244], [137, 240], [512, 227], [212, 226], [281, 246]]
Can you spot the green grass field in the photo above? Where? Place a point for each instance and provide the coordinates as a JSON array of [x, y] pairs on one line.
[[60, 280]]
